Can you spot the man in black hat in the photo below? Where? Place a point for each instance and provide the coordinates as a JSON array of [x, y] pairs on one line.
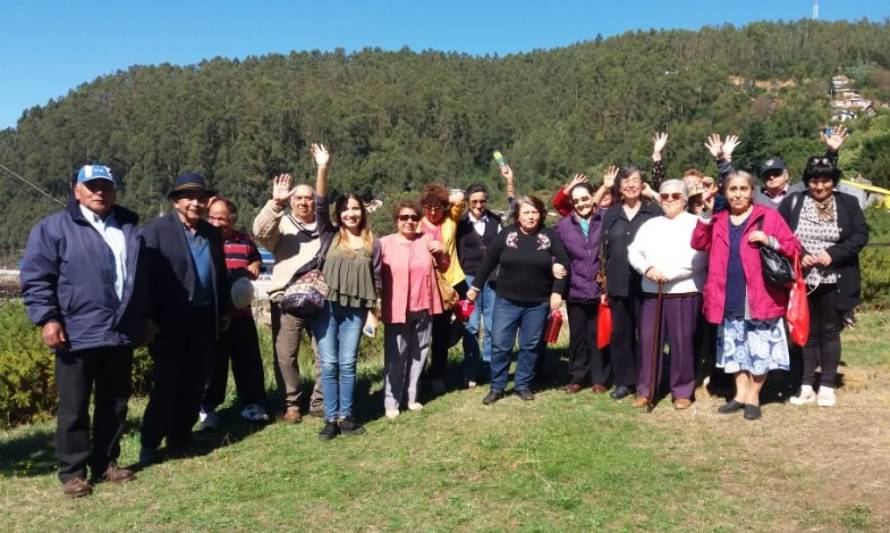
[[774, 176], [190, 299]]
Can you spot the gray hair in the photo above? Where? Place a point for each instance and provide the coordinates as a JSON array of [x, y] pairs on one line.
[[740, 174], [675, 183]]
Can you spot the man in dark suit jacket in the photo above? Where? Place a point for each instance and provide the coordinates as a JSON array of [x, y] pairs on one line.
[[190, 300]]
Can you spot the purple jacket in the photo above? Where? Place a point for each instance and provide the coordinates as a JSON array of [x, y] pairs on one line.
[[766, 301], [585, 256]]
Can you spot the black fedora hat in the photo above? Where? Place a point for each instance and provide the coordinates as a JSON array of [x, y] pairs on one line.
[[190, 181]]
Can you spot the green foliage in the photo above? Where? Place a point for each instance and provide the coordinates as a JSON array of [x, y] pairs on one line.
[[27, 369], [396, 120], [27, 385]]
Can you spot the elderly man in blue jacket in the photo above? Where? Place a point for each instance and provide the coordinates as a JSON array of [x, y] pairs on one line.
[[190, 305], [83, 285]]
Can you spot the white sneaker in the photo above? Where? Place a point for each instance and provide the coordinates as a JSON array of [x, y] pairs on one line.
[[826, 397], [255, 413], [415, 406], [805, 396], [209, 420], [392, 413], [471, 384]]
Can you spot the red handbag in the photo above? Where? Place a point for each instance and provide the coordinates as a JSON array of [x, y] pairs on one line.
[[603, 325], [797, 315]]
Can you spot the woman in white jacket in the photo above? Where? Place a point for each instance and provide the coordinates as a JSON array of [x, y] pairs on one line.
[[662, 253]]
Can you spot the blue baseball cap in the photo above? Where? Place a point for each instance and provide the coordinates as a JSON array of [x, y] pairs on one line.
[[94, 172]]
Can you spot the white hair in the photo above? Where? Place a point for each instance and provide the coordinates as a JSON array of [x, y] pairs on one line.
[[674, 183]]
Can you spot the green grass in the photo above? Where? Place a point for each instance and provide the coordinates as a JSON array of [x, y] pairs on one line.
[[580, 462]]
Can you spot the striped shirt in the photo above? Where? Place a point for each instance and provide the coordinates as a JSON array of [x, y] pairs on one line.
[[240, 251]]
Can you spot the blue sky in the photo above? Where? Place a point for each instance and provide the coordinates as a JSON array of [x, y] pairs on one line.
[[49, 47]]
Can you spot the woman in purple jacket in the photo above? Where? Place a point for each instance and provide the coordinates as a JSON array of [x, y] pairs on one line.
[[751, 338], [580, 234]]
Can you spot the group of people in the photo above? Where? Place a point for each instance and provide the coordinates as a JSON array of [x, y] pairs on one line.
[[677, 262]]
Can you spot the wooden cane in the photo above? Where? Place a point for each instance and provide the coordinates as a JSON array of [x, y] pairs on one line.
[[656, 350]]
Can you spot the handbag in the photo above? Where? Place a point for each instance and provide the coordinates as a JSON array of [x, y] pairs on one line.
[[446, 291], [776, 268], [797, 315], [306, 296], [603, 325]]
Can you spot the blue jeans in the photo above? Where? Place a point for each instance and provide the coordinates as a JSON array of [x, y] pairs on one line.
[[338, 330], [484, 310], [528, 319]]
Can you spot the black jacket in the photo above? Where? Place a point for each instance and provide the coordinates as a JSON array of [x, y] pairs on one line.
[[618, 232], [844, 254], [173, 272], [471, 247]]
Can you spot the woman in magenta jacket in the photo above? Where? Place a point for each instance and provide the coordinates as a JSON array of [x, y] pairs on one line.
[[751, 338]]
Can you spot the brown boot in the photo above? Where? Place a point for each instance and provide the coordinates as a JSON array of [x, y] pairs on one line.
[[572, 388], [598, 389], [292, 415], [77, 487], [116, 474], [640, 401]]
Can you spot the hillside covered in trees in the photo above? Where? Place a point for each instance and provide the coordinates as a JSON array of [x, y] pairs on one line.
[[395, 120]]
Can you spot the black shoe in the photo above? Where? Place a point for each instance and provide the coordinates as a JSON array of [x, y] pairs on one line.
[[752, 412], [349, 427], [526, 395], [619, 392], [730, 407], [329, 431], [492, 397]]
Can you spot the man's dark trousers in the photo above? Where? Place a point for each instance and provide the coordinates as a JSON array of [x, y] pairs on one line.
[[241, 344], [181, 362], [77, 373]]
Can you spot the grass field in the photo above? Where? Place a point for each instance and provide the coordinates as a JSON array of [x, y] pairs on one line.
[[580, 462]]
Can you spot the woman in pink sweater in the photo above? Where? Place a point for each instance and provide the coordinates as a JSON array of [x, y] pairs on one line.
[[751, 338], [410, 301]]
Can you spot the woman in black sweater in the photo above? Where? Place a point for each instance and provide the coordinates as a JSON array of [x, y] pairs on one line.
[[832, 230], [525, 291]]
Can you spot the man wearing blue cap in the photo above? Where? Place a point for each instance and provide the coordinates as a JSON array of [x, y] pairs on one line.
[[190, 299], [83, 284]]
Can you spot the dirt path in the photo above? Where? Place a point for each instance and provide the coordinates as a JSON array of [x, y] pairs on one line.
[[798, 467]]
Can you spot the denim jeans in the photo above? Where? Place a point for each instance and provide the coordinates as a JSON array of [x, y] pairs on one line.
[[338, 330], [482, 312], [528, 319]]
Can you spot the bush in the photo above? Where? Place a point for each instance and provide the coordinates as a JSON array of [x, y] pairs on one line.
[[27, 369], [874, 261]]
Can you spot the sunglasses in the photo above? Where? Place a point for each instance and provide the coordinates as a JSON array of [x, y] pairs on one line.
[[824, 161], [406, 218], [708, 183], [665, 196], [772, 175]]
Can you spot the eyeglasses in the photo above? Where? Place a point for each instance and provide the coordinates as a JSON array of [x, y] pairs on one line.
[[406, 218], [708, 183], [432, 208], [665, 196]]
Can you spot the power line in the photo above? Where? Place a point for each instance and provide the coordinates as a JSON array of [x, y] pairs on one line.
[[33, 186]]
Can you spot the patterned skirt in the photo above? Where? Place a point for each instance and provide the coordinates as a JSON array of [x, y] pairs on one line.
[[755, 346]]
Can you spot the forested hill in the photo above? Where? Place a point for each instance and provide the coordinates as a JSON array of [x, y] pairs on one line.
[[395, 120]]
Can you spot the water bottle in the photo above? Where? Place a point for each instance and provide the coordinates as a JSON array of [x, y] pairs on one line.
[[554, 324], [499, 158]]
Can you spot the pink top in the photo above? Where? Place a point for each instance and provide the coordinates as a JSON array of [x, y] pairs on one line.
[[409, 282], [766, 301]]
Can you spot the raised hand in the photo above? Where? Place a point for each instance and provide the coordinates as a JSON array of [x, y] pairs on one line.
[[836, 139], [659, 140], [320, 154], [730, 144], [281, 188], [577, 179], [609, 176], [507, 173], [714, 145]]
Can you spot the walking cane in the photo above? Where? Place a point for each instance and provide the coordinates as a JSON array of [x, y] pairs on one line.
[[656, 351]]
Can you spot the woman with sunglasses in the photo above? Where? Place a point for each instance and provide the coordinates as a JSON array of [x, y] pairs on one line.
[[352, 270], [671, 269], [748, 310], [410, 302], [441, 212], [832, 231], [623, 283], [525, 293], [580, 233]]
